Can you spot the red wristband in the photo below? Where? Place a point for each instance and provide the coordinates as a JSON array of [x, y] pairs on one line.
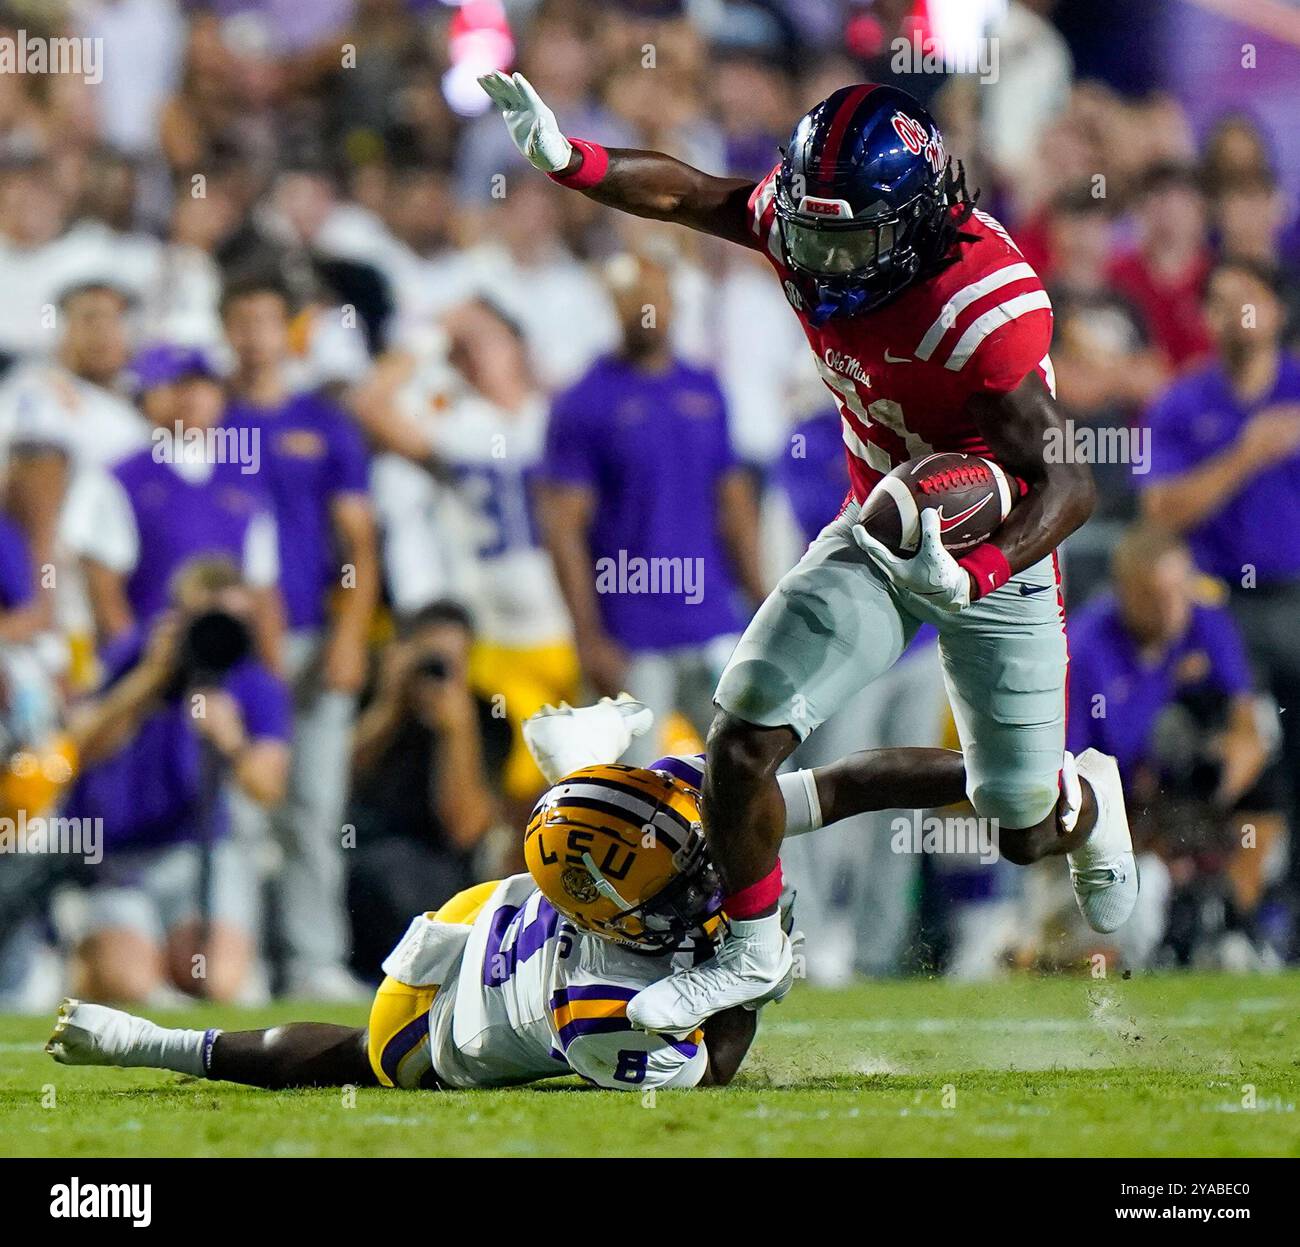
[[755, 898], [988, 567], [595, 164]]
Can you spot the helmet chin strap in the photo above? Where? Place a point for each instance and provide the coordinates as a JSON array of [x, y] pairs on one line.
[[603, 885]]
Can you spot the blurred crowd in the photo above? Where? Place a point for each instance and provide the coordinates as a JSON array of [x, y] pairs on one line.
[[334, 442]]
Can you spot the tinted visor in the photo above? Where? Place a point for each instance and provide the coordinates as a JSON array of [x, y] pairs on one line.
[[835, 252]]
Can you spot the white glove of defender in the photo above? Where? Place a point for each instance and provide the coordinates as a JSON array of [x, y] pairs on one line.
[[531, 124], [931, 573], [564, 738]]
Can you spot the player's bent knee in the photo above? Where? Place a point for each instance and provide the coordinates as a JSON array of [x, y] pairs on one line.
[[753, 691], [742, 752], [1021, 811]]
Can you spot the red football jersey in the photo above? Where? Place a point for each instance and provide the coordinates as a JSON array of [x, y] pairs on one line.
[[901, 375]]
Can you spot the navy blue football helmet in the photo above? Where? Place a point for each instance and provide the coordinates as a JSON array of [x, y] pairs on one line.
[[863, 200]]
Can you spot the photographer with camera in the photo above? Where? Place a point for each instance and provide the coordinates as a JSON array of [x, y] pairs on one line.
[[427, 758], [183, 710]]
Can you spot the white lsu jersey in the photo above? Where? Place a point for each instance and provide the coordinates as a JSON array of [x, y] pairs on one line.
[[493, 456], [532, 997], [44, 405]]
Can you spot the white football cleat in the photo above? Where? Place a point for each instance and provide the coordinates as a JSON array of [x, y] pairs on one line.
[[752, 967], [564, 738], [1103, 870], [94, 1034]]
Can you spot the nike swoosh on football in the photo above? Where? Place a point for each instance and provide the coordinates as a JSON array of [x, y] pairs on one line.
[[897, 359], [1026, 590], [947, 522]]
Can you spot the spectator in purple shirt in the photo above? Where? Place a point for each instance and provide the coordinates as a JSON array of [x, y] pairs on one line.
[[193, 492], [314, 466], [650, 518], [1135, 651], [1225, 471], [1159, 679], [1225, 441], [141, 739], [813, 473]]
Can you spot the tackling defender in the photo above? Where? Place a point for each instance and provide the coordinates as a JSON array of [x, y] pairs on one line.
[[932, 332], [529, 978]]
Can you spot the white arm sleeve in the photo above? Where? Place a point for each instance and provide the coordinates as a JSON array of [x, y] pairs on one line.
[[803, 810], [98, 522]]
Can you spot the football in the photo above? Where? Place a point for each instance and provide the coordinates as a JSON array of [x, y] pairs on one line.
[[972, 496]]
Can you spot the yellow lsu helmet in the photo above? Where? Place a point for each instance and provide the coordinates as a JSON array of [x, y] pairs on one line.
[[619, 851]]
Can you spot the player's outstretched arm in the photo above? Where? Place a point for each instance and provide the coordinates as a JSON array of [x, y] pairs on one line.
[[889, 779], [646, 184], [650, 184], [1019, 427], [873, 779]]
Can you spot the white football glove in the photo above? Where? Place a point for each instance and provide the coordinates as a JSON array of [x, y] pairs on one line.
[[531, 124], [564, 738], [931, 573]]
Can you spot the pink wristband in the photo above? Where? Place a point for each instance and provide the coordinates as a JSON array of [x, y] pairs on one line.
[[595, 164], [755, 898], [988, 567]]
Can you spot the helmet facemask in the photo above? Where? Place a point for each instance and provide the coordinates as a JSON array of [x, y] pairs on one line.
[[848, 265], [675, 918]]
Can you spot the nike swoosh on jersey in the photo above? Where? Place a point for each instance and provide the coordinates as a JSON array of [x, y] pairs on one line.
[[897, 359], [1026, 590], [947, 522]]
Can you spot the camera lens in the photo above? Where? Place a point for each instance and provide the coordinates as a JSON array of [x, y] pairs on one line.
[[214, 643], [434, 668]]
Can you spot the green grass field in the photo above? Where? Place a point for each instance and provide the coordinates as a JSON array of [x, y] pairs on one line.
[[1189, 1065]]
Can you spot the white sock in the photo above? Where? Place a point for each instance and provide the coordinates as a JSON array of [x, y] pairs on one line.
[[803, 808], [1073, 792], [759, 933], [159, 1047]]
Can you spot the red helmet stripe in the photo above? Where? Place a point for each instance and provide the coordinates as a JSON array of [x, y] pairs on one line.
[[839, 126]]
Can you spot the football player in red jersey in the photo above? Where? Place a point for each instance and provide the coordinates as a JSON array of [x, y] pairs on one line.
[[932, 332]]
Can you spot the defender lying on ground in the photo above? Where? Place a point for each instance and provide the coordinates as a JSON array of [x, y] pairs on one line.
[[529, 978]]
